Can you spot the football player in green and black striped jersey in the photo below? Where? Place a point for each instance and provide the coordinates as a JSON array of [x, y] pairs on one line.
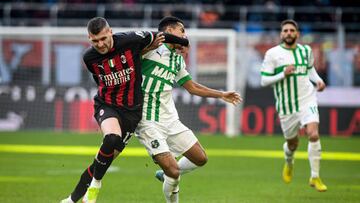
[[289, 69], [160, 129]]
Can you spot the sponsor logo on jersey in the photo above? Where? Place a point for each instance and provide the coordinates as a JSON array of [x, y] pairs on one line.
[[163, 73], [118, 77], [101, 112], [300, 69]]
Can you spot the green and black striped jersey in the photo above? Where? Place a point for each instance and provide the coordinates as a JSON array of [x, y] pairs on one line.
[[161, 68], [295, 91]]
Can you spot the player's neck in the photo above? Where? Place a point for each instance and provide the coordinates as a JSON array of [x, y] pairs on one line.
[[112, 42], [289, 46], [170, 46]]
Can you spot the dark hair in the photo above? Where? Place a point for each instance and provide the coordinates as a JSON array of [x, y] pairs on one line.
[[169, 21], [96, 25], [289, 21]]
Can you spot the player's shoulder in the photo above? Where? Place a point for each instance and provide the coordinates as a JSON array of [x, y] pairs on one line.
[[131, 34], [304, 46], [89, 54], [273, 50]]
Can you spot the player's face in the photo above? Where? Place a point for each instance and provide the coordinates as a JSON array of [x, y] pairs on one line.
[[103, 41], [178, 30], [289, 34]]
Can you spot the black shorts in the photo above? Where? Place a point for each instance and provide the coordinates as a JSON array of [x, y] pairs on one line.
[[128, 119]]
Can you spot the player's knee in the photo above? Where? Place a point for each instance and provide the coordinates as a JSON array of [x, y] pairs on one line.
[[114, 141], [173, 172], [202, 161], [293, 144], [313, 136]]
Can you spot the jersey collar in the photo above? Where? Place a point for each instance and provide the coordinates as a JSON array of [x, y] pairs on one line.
[[283, 46]]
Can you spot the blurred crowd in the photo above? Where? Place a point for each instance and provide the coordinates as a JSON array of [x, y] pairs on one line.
[[224, 2]]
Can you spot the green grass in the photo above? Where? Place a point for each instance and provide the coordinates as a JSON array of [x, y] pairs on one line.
[[28, 177]]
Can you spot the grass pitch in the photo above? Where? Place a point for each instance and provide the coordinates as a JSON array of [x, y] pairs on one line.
[[45, 166]]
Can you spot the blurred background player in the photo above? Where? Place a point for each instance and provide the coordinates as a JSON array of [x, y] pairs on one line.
[[114, 62], [289, 68], [160, 130]]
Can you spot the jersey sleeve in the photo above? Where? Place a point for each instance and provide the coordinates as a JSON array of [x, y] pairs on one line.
[[310, 56], [268, 66], [182, 76], [141, 38]]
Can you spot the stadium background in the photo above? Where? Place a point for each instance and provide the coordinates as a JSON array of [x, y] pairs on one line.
[[46, 93], [29, 85]]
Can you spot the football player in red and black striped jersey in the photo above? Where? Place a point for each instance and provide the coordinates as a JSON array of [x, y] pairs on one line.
[[114, 60]]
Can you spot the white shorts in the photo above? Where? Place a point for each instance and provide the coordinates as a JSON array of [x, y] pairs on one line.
[[173, 137], [291, 124]]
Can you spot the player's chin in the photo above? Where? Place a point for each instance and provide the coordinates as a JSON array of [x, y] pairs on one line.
[[102, 50]]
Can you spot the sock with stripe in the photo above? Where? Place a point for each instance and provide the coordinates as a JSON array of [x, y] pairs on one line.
[[83, 183], [104, 157]]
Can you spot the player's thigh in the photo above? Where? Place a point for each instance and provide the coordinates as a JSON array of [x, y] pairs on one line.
[[107, 118], [153, 138], [181, 142], [310, 115], [110, 126], [196, 154], [290, 125]]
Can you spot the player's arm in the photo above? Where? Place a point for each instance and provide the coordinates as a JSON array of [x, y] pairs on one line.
[[314, 77], [172, 39], [269, 79], [203, 91], [268, 74], [158, 41], [161, 37]]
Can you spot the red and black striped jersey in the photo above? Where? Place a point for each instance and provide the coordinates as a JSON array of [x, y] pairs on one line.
[[118, 72]]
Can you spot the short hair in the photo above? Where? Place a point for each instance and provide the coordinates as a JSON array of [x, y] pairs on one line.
[[289, 21], [96, 25], [168, 21]]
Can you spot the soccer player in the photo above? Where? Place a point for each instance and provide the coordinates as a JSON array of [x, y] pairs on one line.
[[160, 130], [289, 68], [114, 60]]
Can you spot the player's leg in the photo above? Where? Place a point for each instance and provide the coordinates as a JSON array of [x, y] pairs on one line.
[[310, 119], [185, 143], [314, 154], [112, 140], [153, 137], [192, 159], [87, 176], [290, 125], [171, 176]]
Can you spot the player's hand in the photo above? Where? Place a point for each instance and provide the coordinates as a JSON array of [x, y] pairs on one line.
[[290, 69], [232, 97], [320, 86], [158, 41]]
